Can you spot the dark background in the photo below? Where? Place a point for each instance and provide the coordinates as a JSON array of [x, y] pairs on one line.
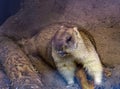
[[8, 8]]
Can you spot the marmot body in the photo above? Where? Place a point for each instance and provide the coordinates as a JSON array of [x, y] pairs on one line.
[[62, 45]]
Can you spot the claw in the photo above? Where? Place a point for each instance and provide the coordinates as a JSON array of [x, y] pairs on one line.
[[107, 72]]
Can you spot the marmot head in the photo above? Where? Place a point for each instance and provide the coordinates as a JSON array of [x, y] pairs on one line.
[[65, 40]]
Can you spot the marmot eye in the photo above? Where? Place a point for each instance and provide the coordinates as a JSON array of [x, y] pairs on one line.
[[68, 39]]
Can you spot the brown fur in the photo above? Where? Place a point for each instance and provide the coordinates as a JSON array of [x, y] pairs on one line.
[[40, 44], [83, 80], [56, 28]]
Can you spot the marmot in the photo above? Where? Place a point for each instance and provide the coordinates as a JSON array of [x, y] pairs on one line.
[[64, 45], [71, 45]]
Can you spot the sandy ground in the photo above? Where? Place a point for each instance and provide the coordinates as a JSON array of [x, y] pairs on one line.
[[100, 18]]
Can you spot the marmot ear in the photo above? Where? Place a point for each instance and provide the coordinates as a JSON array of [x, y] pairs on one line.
[[76, 30]]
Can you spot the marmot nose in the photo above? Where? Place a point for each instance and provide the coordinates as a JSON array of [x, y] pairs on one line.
[[62, 53]]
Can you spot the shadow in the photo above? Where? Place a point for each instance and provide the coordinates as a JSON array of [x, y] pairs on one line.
[[8, 8], [32, 15]]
